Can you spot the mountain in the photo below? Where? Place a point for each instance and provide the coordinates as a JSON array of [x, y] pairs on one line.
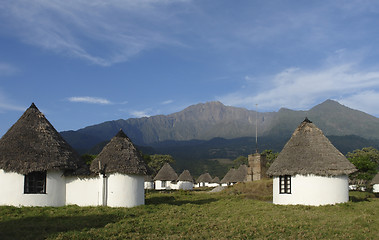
[[208, 136], [205, 121]]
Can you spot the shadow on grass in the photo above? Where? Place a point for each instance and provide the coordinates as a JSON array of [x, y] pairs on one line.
[[171, 200], [41, 227]]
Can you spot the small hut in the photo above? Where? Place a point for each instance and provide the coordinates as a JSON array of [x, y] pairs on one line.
[[375, 183], [165, 178], [310, 170], [149, 183], [228, 178], [185, 181], [240, 175], [215, 182], [33, 160], [204, 180]]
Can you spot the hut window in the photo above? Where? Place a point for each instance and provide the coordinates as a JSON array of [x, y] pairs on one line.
[[35, 182], [285, 184], [163, 184]]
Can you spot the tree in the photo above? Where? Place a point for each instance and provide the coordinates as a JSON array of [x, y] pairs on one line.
[[156, 161], [240, 161], [270, 156], [366, 160], [88, 158]]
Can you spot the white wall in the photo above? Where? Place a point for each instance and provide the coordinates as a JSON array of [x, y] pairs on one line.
[[125, 190], [169, 186], [12, 190], [82, 191], [313, 190], [149, 185], [375, 188]]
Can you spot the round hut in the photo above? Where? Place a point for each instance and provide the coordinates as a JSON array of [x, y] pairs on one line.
[[185, 181], [375, 183], [310, 170], [122, 171], [228, 178], [165, 178], [215, 182], [204, 180], [149, 183], [33, 160]]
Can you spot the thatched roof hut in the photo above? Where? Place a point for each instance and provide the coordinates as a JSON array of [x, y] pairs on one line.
[[205, 177], [228, 176], [166, 173], [310, 152], [375, 180], [120, 156], [185, 176], [33, 144], [215, 180], [239, 175]]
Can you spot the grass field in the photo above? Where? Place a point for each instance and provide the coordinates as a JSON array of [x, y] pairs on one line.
[[232, 214]]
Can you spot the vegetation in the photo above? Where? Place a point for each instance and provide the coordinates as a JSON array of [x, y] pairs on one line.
[[88, 158], [240, 161], [195, 215], [156, 161], [270, 156], [366, 161]]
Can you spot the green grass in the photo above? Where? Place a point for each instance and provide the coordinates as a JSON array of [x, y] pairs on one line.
[[195, 215]]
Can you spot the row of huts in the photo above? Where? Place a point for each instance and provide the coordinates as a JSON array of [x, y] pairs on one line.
[[39, 168]]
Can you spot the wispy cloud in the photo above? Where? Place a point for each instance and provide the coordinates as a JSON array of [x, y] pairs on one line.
[[77, 28], [139, 114], [92, 100], [298, 88], [7, 105], [167, 102]]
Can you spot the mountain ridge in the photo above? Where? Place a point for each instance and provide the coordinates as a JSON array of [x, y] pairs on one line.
[[205, 121]]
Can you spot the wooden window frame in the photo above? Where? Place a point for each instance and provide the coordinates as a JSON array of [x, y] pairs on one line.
[[35, 183], [285, 184]]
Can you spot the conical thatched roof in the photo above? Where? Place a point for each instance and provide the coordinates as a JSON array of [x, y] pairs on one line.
[[310, 152], [240, 174], [375, 180], [205, 177], [185, 176], [215, 180], [33, 144], [228, 176], [166, 173], [120, 156]]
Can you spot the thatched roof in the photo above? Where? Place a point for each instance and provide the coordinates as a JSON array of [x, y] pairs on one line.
[[166, 173], [185, 176], [33, 144], [205, 177], [148, 178], [215, 180], [310, 152], [375, 180], [228, 176], [240, 175], [120, 156]]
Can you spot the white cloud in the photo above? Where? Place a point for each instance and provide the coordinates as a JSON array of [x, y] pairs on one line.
[[93, 100], [77, 28], [139, 114], [167, 102], [297, 88], [366, 101]]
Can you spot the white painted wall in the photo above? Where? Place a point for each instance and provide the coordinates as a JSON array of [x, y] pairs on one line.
[[213, 185], [125, 190], [169, 185], [313, 190], [149, 185], [12, 190], [82, 191], [375, 188]]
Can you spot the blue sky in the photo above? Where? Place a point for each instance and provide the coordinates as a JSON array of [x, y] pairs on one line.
[[86, 62]]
